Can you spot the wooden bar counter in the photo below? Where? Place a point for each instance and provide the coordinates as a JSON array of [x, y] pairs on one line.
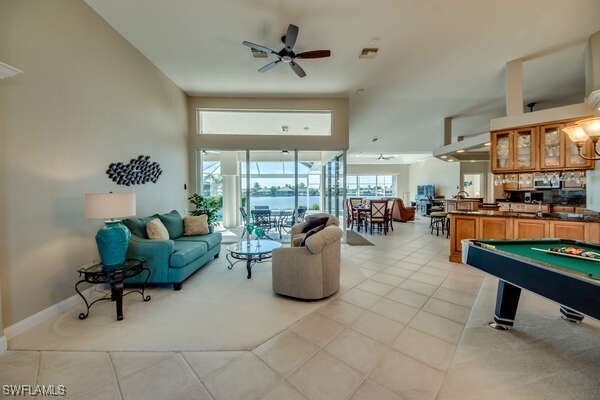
[[513, 225]]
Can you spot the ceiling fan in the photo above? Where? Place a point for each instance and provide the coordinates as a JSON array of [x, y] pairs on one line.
[[287, 55], [382, 157]]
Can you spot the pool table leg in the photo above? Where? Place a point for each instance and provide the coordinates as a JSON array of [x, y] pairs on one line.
[[507, 301], [570, 315]]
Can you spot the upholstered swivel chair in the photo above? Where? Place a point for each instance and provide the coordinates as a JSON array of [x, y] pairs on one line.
[[311, 271], [402, 213]]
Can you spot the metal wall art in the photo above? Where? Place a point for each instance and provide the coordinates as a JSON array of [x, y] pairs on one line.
[[137, 172]]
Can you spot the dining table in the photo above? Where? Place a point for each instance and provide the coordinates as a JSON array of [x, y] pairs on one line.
[[362, 211]]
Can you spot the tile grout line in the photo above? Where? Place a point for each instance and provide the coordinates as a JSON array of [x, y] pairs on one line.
[[187, 363], [114, 373], [38, 368]]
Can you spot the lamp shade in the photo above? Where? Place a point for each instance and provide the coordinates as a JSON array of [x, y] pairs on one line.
[[575, 133], [591, 126], [109, 205]]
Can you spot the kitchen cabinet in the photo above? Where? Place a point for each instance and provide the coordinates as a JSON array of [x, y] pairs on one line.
[[543, 147], [530, 229], [502, 226], [572, 158], [567, 230], [552, 147], [502, 151]]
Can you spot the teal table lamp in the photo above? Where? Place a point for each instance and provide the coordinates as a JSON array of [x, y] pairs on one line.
[[113, 238]]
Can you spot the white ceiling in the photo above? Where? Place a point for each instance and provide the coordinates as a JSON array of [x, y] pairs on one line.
[[437, 58]]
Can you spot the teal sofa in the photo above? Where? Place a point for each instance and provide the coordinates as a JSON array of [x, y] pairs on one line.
[[170, 261]]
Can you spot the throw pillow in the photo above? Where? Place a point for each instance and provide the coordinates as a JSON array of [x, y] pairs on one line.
[[156, 230], [313, 223], [173, 222], [137, 226], [195, 225], [312, 232]]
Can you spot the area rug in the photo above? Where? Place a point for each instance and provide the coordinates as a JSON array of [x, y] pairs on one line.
[[356, 239], [217, 309]]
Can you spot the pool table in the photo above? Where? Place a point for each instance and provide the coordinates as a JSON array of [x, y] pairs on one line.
[[522, 264]]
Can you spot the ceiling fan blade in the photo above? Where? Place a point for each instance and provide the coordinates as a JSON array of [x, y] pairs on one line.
[[291, 36], [269, 66], [258, 47], [297, 69], [314, 54]]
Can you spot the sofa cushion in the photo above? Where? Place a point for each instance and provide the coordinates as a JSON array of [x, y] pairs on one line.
[[173, 222], [185, 252], [156, 230], [137, 226], [195, 225], [211, 239], [298, 239], [314, 222]]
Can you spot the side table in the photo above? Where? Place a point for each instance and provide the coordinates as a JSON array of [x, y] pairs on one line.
[[113, 275]]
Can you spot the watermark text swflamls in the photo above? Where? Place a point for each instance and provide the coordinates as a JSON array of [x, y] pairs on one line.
[[34, 390]]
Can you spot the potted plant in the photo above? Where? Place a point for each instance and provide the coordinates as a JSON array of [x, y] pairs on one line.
[[206, 205]]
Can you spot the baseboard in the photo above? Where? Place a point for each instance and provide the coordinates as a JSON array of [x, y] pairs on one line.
[[3, 344], [44, 315]]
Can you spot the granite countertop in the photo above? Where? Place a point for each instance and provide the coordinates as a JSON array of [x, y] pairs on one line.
[[587, 217]]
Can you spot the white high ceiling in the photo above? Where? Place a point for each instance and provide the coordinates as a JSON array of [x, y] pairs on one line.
[[437, 58]]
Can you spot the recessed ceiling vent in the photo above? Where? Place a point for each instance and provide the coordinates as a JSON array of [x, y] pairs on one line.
[[368, 52]]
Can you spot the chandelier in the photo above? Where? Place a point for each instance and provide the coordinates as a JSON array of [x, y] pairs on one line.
[[581, 131]]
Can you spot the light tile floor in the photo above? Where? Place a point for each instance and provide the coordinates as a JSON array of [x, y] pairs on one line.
[[392, 335]]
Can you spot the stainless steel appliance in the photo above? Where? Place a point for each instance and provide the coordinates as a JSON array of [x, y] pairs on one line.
[[546, 181]]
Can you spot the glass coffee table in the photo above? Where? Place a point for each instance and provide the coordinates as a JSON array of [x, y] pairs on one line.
[[251, 251]]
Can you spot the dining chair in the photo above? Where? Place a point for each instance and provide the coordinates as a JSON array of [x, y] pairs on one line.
[[355, 201], [377, 215], [389, 220], [350, 214]]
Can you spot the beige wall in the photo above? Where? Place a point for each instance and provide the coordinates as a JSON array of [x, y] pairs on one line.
[[444, 175], [86, 98]]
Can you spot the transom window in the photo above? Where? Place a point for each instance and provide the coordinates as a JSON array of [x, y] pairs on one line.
[[264, 122]]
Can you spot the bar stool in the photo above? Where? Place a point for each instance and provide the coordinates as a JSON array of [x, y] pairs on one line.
[[438, 222]]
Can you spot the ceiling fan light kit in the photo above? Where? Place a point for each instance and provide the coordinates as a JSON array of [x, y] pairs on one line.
[[286, 55]]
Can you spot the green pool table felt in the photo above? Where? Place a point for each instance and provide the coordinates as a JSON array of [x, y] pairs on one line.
[[525, 249]]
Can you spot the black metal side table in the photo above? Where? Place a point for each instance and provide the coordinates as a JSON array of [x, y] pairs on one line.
[[114, 275]]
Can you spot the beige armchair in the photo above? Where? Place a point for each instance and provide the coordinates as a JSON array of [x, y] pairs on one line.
[[311, 271]]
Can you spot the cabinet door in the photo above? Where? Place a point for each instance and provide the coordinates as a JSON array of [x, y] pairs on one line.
[[567, 230], [502, 151], [494, 228], [552, 147], [572, 158], [461, 227], [525, 149], [530, 229]]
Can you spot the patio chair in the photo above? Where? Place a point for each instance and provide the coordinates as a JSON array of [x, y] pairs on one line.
[[262, 218], [244, 220]]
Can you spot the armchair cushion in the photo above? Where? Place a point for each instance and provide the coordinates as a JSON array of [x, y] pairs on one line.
[[173, 222], [314, 223], [312, 232], [317, 242], [211, 239]]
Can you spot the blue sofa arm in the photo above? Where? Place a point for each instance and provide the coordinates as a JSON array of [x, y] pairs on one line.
[[156, 254]]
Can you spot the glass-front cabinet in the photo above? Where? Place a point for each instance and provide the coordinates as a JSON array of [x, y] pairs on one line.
[[552, 147], [502, 151], [573, 160], [525, 149]]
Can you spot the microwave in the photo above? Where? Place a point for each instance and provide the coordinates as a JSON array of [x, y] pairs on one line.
[[542, 182]]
